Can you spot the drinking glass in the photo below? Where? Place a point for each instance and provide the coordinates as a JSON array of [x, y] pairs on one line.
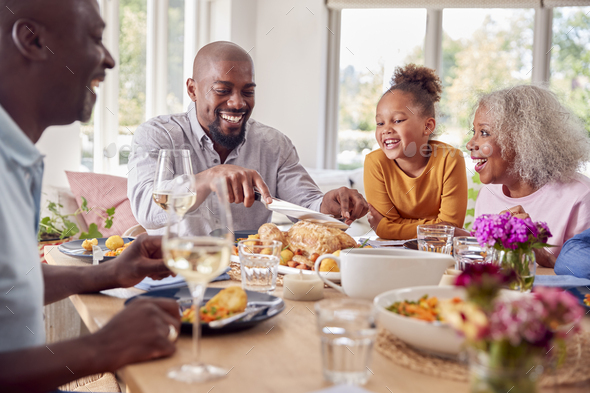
[[466, 250], [199, 259], [259, 263], [174, 183], [347, 333], [435, 238]]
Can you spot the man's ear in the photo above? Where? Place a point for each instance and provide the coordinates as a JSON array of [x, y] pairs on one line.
[[29, 37], [191, 89]]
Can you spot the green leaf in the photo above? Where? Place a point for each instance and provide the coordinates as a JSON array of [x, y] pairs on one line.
[[52, 207], [70, 229], [468, 225], [111, 211], [84, 204], [108, 223], [475, 178], [472, 194], [470, 212], [92, 232]]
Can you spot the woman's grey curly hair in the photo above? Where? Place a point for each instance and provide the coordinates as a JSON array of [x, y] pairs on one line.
[[544, 141]]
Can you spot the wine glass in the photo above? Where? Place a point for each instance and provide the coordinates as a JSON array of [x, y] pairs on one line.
[[174, 183], [199, 259]]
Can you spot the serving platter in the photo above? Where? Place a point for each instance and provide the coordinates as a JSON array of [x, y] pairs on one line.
[[333, 276]]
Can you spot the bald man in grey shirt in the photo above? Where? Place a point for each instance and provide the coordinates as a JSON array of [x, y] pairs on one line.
[[225, 143]]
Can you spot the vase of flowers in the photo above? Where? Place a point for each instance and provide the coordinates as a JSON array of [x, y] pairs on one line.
[[510, 335], [522, 262], [513, 241]]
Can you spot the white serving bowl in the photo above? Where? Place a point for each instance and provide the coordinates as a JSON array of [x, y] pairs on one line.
[[433, 337]]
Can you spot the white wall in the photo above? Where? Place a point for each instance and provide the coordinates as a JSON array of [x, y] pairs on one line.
[[243, 24], [61, 147], [291, 72]]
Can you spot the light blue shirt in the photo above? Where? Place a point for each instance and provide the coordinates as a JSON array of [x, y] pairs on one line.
[[21, 278], [574, 258]]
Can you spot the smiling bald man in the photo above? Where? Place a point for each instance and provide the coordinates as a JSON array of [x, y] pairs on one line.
[[225, 142]]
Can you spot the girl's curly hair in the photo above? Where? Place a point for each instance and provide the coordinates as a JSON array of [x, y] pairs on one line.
[[542, 138], [422, 83]]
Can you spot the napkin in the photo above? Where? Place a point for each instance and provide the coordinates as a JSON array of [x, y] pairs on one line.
[[562, 281], [383, 243], [172, 282]]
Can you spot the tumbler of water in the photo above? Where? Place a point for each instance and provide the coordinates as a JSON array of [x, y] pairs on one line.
[[259, 263], [347, 332], [466, 250], [435, 238]]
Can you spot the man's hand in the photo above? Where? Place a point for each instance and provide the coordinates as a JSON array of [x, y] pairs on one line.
[[240, 183], [517, 211], [143, 258], [344, 203], [138, 333]]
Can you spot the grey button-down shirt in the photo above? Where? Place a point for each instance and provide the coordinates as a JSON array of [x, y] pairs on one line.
[[264, 149]]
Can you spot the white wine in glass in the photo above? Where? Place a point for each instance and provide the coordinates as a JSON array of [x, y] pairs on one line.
[[178, 203], [199, 259], [174, 184]]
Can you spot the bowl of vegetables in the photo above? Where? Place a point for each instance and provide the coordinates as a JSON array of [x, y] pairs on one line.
[[413, 315]]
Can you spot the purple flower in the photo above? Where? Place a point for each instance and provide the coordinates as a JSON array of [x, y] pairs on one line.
[[503, 231]]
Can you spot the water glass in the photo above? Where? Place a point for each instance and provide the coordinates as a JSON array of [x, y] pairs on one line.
[[259, 263], [347, 332], [466, 250], [435, 238]]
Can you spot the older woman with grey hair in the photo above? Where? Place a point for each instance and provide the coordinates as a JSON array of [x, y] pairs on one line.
[[528, 148]]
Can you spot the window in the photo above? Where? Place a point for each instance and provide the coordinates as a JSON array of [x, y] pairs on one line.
[[483, 50], [570, 59], [176, 79], [373, 42], [132, 73]]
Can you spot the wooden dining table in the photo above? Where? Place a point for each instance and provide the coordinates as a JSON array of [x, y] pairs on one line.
[[281, 354]]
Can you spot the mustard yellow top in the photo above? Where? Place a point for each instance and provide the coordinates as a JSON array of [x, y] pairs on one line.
[[438, 194]]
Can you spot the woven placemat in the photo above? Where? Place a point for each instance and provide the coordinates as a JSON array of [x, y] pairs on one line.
[[575, 368]]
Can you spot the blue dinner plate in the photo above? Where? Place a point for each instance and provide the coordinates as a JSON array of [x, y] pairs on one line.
[[579, 293], [74, 248], [183, 297], [411, 244]]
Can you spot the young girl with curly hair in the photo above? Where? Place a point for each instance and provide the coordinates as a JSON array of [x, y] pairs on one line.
[[411, 179]]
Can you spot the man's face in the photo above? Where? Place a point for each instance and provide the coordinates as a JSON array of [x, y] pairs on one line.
[[78, 46], [225, 100]]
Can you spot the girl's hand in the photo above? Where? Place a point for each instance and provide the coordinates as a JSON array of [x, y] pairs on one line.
[[374, 217]]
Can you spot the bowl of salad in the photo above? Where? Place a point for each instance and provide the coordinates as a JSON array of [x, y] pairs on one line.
[[413, 315]]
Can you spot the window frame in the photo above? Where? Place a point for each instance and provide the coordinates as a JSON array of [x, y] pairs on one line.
[[106, 121], [543, 27]]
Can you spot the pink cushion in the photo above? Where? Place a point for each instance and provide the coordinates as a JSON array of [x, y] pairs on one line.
[[103, 191]]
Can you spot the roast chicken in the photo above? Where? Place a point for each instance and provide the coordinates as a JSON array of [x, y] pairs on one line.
[[272, 232], [309, 238]]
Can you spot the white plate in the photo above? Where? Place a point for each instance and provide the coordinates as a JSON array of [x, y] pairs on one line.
[[291, 270]]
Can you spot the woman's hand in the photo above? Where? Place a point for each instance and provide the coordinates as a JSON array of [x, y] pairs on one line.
[[517, 211], [374, 217]]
